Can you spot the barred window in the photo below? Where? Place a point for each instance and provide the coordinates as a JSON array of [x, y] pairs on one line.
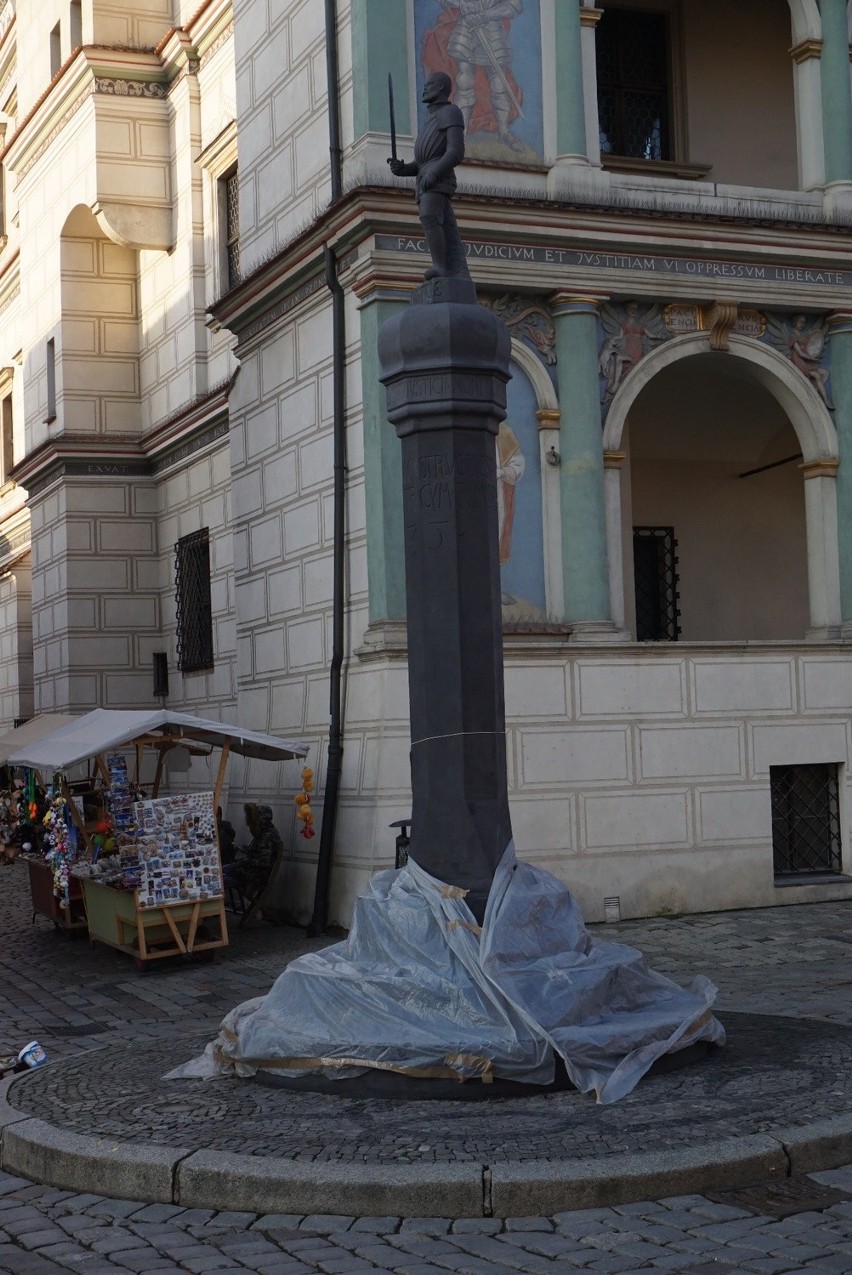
[[231, 225], [805, 820], [194, 608], [634, 91], [656, 584]]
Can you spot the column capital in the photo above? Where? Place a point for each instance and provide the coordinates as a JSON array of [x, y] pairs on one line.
[[614, 460], [548, 417], [383, 285], [805, 50], [819, 468], [566, 302], [839, 321], [590, 17]]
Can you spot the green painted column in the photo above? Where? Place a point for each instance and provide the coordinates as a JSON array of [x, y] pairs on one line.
[[585, 566], [836, 94], [841, 390], [382, 476], [570, 107], [379, 47]]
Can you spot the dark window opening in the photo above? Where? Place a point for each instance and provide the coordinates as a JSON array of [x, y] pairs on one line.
[[7, 454], [656, 584], [805, 820], [194, 608], [232, 226], [51, 381], [55, 49], [634, 91]]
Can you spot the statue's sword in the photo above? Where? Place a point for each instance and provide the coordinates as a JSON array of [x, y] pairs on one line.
[[392, 120]]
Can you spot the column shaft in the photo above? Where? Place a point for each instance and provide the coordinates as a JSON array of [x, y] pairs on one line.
[[570, 106], [584, 539], [841, 386], [836, 94]]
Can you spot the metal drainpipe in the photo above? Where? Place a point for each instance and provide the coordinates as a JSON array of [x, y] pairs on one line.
[[319, 920]]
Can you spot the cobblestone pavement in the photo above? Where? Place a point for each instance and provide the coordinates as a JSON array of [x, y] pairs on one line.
[[790, 962], [47, 1232]]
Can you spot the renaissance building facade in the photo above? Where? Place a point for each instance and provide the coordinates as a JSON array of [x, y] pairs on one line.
[[202, 497]]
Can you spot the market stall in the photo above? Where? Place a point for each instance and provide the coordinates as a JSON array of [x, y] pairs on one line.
[[20, 824], [148, 867]]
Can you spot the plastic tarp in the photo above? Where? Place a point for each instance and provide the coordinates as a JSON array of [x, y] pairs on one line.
[[418, 988], [104, 729]]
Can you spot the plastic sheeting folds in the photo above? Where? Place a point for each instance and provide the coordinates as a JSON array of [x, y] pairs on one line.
[[418, 988]]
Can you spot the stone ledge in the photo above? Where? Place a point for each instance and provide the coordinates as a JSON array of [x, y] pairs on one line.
[[260, 1184], [526, 1190], [37, 1150]]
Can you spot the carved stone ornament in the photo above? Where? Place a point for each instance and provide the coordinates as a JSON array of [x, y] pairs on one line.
[[130, 88], [528, 320], [630, 331]]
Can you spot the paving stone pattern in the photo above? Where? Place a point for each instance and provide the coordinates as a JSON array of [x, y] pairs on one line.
[[774, 1074], [44, 1232], [791, 962]]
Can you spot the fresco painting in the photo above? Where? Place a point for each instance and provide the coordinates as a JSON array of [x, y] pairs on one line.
[[519, 504], [491, 49]]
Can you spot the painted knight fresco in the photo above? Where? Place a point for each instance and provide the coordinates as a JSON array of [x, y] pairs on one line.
[[491, 49]]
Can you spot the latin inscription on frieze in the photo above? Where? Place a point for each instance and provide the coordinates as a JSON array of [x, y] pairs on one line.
[[635, 263]]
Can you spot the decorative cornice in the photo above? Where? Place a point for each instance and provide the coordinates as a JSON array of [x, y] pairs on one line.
[[805, 50], [210, 50], [34, 156], [819, 468], [93, 456]]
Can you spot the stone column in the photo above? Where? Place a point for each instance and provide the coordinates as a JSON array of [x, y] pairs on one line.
[[445, 364], [840, 328], [570, 102], [585, 566], [836, 101], [810, 147]]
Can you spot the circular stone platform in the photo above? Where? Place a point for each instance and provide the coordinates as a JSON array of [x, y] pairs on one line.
[[776, 1075]]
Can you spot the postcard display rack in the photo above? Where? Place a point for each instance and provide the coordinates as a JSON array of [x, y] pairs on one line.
[[169, 900]]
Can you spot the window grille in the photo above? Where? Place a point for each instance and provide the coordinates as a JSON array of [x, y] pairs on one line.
[[805, 820], [632, 52], [656, 584], [232, 227], [194, 609]]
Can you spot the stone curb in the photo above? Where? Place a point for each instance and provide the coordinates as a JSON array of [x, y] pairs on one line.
[[260, 1184], [34, 1149], [537, 1190], [37, 1150], [8, 1114]]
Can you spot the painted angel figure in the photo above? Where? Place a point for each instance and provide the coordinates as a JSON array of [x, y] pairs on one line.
[[804, 344], [629, 333]]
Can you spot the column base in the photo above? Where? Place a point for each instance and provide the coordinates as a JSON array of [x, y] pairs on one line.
[[829, 633], [837, 197], [573, 173], [846, 631], [597, 633], [384, 637]]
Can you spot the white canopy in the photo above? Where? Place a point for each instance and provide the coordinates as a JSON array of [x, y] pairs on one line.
[[36, 728], [104, 730]]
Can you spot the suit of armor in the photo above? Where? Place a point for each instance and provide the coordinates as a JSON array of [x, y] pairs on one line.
[[480, 39]]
